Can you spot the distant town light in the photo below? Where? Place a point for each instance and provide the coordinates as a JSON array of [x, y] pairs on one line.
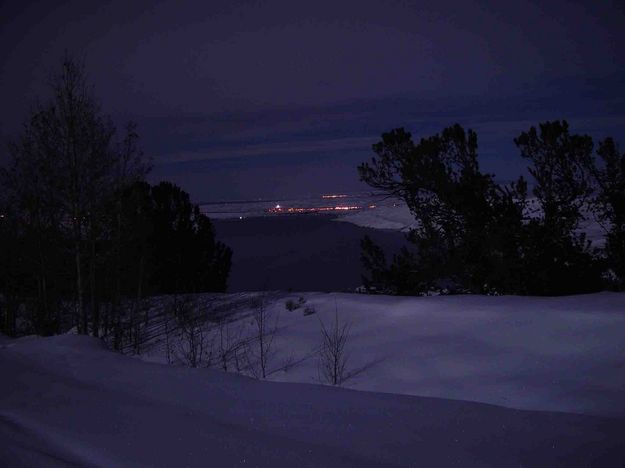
[[279, 209]]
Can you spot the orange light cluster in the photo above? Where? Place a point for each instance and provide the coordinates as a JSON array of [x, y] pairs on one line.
[[280, 209], [334, 196]]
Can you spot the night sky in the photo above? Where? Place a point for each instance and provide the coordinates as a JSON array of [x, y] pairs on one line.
[[239, 100]]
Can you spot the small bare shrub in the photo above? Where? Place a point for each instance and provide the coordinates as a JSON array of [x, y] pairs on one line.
[[258, 356], [195, 347], [230, 345], [332, 354]]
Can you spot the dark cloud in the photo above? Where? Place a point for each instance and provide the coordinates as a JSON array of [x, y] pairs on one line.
[[241, 98]]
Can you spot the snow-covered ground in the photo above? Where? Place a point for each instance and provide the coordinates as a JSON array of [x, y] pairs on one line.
[[68, 401], [394, 216], [429, 369], [555, 354]]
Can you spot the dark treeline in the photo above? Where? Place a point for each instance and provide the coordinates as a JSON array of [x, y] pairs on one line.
[[83, 237], [477, 236]]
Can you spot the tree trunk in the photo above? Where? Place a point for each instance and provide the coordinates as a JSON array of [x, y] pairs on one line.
[[135, 315], [43, 317], [10, 304], [116, 309], [95, 312], [82, 313]]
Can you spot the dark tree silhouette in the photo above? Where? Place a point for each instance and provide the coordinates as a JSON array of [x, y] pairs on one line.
[[610, 206], [34, 222], [61, 167], [465, 220], [83, 239], [557, 259], [167, 245], [186, 257], [478, 236]]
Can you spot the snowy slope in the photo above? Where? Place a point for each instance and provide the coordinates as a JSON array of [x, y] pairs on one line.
[[394, 216], [554, 354], [68, 401]]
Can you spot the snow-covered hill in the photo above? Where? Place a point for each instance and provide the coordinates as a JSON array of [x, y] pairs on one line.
[[68, 401], [555, 354]]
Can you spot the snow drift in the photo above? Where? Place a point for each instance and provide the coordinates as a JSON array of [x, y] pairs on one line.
[[538, 353], [67, 400]]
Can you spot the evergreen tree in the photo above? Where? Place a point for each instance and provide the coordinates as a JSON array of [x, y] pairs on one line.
[[182, 254], [557, 258], [466, 236], [610, 206]]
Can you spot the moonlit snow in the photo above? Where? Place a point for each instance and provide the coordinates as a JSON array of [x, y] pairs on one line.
[[485, 381]]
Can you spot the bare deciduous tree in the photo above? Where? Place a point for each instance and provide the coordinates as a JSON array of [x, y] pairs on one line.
[[230, 345], [332, 354], [264, 333], [81, 139], [66, 153], [130, 167], [195, 345]]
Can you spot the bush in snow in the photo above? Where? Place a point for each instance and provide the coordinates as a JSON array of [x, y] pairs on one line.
[[291, 305]]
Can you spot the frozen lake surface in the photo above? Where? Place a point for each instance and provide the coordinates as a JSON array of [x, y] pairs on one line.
[[300, 252]]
